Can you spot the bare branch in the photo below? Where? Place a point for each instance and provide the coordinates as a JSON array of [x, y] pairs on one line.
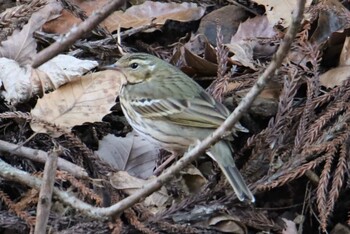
[[45, 196], [41, 156]]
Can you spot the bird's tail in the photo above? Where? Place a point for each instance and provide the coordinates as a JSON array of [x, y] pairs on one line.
[[221, 152]]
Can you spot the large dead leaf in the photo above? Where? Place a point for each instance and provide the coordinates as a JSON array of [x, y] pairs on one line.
[[20, 83], [21, 46], [132, 153], [280, 11], [155, 202], [87, 99], [156, 12]]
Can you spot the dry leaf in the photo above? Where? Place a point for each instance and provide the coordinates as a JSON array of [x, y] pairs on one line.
[[228, 18], [193, 179], [200, 65], [66, 20], [329, 21], [132, 153], [244, 43], [156, 12], [257, 27], [88, 99], [344, 59], [227, 224], [21, 46], [123, 181], [290, 227], [20, 83], [243, 54], [280, 11], [335, 77]]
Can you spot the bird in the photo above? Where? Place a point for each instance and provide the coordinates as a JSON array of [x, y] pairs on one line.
[[171, 110]]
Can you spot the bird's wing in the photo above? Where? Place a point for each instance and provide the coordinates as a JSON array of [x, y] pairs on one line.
[[182, 102]]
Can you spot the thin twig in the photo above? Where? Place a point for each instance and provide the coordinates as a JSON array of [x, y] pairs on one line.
[[45, 196], [78, 32], [41, 156]]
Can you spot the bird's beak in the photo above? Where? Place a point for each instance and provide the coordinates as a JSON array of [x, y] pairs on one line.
[[110, 67]]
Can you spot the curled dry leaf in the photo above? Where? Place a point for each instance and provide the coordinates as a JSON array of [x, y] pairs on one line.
[[193, 178], [330, 20], [155, 202], [20, 83], [245, 45], [86, 99], [131, 153], [200, 65], [153, 12]]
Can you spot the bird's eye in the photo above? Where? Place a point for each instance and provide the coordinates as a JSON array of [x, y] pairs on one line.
[[134, 65]]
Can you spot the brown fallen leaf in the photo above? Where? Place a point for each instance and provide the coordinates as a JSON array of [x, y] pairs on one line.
[[131, 153], [200, 65], [153, 12], [66, 20], [87, 99]]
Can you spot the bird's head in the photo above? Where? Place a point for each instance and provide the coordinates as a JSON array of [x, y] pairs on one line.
[[138, 67]]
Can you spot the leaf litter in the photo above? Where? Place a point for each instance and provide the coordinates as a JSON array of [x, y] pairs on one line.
[[295, 157]]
